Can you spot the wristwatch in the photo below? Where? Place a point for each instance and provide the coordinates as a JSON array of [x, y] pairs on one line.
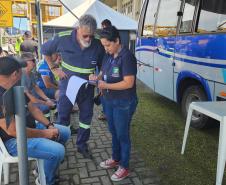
[[50, 124]]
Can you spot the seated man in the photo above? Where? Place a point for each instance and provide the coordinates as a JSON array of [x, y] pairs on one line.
[[47, 80], [44, 140], [35, 94]]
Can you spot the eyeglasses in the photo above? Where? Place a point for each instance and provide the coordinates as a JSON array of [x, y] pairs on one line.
[[87, 36]]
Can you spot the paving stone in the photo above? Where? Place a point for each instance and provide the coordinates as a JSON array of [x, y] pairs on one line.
[[90, 180], [69, 171], [91, 166], [76, 170], [83, 172], [137, 181], [106, 180], [76, 179], [123, 182], [98, 173], [96, 184], [104, 155], [71, 159]]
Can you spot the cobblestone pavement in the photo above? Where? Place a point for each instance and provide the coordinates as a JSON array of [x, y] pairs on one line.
[[77, 170]]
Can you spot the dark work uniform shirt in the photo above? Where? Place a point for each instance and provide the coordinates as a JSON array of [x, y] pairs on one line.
[[67, 45], [30, 121], [114, 69]]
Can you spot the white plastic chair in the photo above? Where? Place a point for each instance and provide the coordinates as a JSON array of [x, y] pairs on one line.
[[6, 159], [215, 110]]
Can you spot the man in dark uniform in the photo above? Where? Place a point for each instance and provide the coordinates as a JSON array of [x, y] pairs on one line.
[[81, 54]]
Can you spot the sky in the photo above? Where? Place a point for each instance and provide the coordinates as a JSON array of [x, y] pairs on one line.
[[21, 23]]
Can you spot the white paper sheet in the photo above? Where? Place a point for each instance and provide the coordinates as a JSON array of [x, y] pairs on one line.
[[73, 87]]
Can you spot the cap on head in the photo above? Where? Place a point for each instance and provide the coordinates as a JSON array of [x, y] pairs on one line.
[[10, 64], [26, 56]]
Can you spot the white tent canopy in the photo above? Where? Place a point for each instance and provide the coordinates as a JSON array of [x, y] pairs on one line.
[[100, 11]]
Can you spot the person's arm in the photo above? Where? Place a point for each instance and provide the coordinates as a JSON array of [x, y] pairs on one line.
[[33, 99], [54, 68], [126, 83], [48, 49], [95, 77], [31, 133], [38, 115], [48, 83], [40, 92], [47, 101]]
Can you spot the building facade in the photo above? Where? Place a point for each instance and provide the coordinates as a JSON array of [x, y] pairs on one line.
[[50, 9], [130, 8]]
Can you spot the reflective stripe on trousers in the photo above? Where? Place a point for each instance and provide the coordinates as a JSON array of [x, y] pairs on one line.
[[83, 125]]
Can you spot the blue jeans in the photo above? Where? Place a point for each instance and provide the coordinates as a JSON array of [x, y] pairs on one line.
[[119, 113], [51, 151]]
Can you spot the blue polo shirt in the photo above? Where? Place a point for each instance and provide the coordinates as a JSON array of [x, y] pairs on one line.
[[114, 69], [43, 70], [75, 61]]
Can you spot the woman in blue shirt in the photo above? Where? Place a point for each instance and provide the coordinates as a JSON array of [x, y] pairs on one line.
[[117, 80]]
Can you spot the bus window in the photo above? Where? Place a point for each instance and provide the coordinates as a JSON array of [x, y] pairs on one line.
[[212, 16], [167, 18], [149, 21], [188, 14]]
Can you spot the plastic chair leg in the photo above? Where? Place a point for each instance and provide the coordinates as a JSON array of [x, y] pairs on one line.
[[188, 122], [41, 171], [221, 152], [6, 173], [1, 166]]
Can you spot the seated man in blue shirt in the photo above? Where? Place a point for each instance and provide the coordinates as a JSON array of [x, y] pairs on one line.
[[47, 80], [45, 139]]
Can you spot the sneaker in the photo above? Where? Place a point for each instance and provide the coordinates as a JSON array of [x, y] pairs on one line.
[[85, 153], [109, 163], [120, 174]]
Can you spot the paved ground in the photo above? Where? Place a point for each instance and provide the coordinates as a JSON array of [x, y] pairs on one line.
[[77, 170]]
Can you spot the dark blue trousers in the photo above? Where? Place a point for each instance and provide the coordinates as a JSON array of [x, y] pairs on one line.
[[85, 104], [119, 113]]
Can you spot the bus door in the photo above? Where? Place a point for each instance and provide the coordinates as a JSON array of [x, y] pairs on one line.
[[165, 32], [146, 43]]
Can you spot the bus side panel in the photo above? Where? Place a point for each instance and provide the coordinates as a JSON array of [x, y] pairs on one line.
[[163, 66], [203, 55], [144, 53]]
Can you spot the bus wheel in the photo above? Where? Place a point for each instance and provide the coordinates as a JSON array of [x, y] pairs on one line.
[[192, 94]]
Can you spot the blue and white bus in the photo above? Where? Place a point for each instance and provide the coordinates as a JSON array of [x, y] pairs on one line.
[[181, 51]]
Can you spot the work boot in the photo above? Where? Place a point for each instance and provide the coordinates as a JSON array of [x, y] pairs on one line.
[[85, 153]]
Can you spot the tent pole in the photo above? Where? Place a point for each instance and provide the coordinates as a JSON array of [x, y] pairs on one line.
[[69, 9], [39, 26]]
